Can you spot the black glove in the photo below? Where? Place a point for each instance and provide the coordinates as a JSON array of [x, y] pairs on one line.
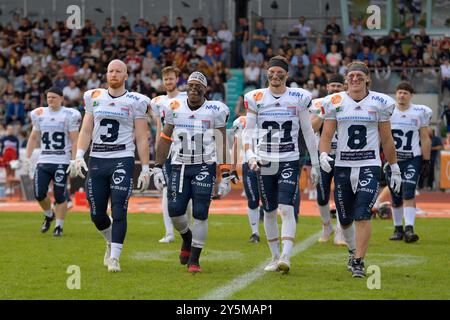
[[425, 169], [234, 177]]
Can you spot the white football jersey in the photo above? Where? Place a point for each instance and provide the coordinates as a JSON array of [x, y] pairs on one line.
[[278, 122], [405, 127], [113, 135], [357, 126], [193, 133], [160, 104], [237, 130], [316, 109], [56, 146]]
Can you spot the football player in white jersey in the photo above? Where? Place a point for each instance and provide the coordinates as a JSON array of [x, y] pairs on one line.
[[335, 84], [362, 119], [249, 179], [159, 106], [56, 128], [114, 118], [409, 124], [197, 129], [278, 112]]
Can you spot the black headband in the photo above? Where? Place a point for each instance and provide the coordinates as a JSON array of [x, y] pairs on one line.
[[336, 78], [278, 63], [358, 67]]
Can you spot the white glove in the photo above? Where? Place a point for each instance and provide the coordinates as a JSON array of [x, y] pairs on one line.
[[158, 178], [26, 166], [315, 174], [225, 185], [253, 164], [79, 165], [144, 179], [325, 162], [396, 178], [72, 169]]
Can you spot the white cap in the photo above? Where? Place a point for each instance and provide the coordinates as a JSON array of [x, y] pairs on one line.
[[199, 77]]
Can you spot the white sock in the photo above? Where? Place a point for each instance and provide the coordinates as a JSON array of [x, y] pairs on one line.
[[59, 223], [338, 224], [116, 249], [349, 236], [48, 213], [288, 228], [165, 208], [189, 212], [107, 233], [325, 213], [253, 218], [397, 216], [271, 228], [410, 215]]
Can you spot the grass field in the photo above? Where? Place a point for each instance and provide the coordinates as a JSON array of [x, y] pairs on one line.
[[34, 265]]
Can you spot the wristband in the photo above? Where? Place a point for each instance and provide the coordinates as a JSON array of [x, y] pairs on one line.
[[145, 168], [80, 153], [250, 154], [394, 167]]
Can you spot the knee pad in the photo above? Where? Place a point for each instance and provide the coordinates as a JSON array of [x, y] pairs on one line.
[[180, 223], [60, 196]]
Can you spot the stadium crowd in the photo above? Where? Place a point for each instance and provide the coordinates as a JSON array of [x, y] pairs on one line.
[[35, 55]]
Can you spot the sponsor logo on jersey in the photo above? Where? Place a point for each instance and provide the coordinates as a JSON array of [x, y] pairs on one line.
[[358, 108], [174, 105], [257, 96], [296, 94], [414, 122], [39, 111], [338, 109], [118, 176], [95, 104], [287, 173], [246, 104], [206, 124], [59, 175], [95, 94], [379, 99], [336, 99], [367, 179], [132, 96], [112, 104], [202, 176], [410, 172], [212, 107]]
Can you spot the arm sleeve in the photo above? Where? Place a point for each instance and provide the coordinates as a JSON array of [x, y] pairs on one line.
[[221, 118], [75, 121], [140, 108], [87, 102], [308, 134]]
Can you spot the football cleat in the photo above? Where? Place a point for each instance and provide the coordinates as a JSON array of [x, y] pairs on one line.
[[254, 238], [167, 239], [272, 266], [284, 264], [194, 268], [113, 265], [351, 256], [398, 233], [58, 232], [184, 256], [107, 255], [327, 230], [358, 270], [47, 222], [410, 236]]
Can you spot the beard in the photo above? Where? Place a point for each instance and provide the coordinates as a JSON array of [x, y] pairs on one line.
[[115, 84]]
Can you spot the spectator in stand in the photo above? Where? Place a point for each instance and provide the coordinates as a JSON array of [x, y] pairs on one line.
[[225, 38], [332, 28], [84, 73], [354, 44], [254, 55], [302, 30], [107, 28], [260, 37], [156, 82], [179, 28], [318, 56], [164, 29], [355, 27], [124, 27], [252, 74], [141, 27], [133, 61], [311, 87], [154, 47], [285, 45], [436, 147], [334, 59], [139, 85], [365, 54], [217, 90], [15, 111], [445, 73], [72, 93], [446, 114], [241, 36], [93, 81], [9, 150]]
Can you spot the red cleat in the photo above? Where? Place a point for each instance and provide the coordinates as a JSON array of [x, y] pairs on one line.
[[193, 268], [184, 256]]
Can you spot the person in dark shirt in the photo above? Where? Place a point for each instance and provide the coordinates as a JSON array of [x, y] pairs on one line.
[[436, 146], [446, 114]]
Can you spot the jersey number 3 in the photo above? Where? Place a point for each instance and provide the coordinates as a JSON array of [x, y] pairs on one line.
[[113, 130]]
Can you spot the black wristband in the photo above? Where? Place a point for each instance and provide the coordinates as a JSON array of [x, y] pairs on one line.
[[225, 174]]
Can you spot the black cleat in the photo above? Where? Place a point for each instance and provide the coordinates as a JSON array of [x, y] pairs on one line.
[[47, 222], [358, 270], [184, 256], [351, 256], [58, 232], [410, 236], [398, 233], [254, 238]]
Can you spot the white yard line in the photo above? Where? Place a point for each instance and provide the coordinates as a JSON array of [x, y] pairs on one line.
[[239, 283]]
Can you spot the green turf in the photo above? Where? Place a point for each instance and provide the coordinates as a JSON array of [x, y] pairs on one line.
[[33, 265]]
